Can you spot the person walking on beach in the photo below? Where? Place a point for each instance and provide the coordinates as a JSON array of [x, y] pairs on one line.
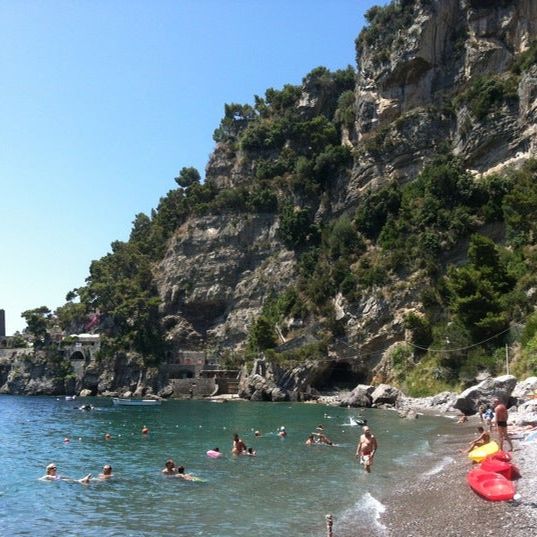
[[501, 415], [366, 449]]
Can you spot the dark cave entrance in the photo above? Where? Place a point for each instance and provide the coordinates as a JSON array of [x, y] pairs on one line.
[[341, 375]]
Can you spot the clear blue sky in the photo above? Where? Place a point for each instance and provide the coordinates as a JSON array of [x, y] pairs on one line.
[[103, 101]]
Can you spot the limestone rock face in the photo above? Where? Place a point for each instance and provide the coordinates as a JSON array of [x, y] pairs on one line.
[[407, 76], [525, 388], [485, 392], [266, 381], [359, 397], [385, 395], [216, 274]]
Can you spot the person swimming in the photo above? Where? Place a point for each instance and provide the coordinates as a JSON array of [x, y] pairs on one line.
[[181, 474], [52, 475], [169, 467], [106, 473]]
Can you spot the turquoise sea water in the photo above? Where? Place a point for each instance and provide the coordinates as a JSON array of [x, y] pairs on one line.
[[286, 489]]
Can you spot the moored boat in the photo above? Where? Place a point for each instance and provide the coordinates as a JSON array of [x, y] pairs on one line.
[[135, 402]]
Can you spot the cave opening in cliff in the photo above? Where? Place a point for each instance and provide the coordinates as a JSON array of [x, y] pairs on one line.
[[341, 375]]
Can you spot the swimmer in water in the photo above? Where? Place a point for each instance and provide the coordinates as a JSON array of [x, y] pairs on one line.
[[310, 440], [145, 430], [282, 433], [106, 473], [169, 468], [52, 475], [181, 474], [107, 436], [250, 452]]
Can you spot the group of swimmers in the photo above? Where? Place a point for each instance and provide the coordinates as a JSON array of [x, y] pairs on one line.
[[171, 469], [51, 474], [365, 450]]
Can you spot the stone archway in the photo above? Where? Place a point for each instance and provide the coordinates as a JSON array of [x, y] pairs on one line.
[[77, 355]]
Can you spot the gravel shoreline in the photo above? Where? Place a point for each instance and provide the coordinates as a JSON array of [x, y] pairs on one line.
[[444, 505]]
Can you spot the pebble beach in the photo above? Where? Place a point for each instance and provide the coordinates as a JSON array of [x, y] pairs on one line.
[[444, 505]]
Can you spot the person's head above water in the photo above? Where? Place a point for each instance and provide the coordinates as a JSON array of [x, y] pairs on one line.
[[107, 469], [51, 468], [180, 469]]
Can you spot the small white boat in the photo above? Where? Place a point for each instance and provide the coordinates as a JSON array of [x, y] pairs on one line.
[[135, 402]]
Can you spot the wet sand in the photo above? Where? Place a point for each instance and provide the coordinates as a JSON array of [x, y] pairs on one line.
[[443, 504]]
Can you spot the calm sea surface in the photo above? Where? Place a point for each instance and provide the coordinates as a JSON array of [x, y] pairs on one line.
[[285, 490]]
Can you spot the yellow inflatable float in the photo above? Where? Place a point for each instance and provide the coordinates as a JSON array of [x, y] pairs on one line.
[[482, 452]]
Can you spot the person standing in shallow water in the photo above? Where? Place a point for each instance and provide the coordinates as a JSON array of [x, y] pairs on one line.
[[238, 445], [366, 449], [501, 415]]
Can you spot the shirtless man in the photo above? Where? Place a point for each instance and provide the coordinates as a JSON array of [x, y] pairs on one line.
[[239, 446], [366, 449], [500, 416], [106, 473], [481, 440], [169, 467]]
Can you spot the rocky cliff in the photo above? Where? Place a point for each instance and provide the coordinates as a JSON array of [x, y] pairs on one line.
[[417, 62], [434, 77]]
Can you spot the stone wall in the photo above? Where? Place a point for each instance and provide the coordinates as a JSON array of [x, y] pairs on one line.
[[199, 387]]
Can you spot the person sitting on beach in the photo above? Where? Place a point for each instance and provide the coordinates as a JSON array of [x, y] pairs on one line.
[[52, 475], [181, 474], [238, 445], [106, 473], [366, 449], [501, 414], [169, 467], [481, 440], [463, 418]]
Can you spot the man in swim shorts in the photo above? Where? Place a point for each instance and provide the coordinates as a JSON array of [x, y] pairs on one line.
[[501, 415], [366, 449]]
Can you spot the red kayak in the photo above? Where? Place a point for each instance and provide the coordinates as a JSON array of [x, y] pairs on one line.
[[508, 470], [491, 486], [501, 456]]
